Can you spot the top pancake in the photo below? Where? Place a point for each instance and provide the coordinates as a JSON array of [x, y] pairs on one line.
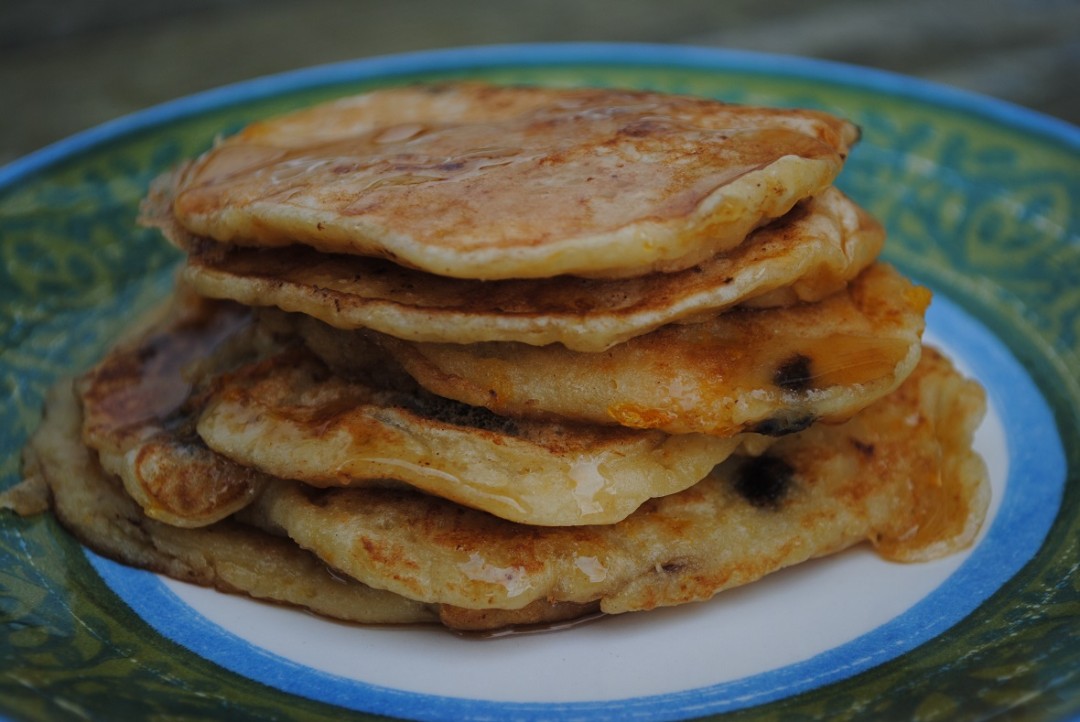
[[487, 182]]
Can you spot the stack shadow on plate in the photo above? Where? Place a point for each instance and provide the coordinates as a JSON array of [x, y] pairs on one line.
[[498, 356]]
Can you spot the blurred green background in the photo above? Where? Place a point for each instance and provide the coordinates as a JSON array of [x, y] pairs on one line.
[[66, 65]]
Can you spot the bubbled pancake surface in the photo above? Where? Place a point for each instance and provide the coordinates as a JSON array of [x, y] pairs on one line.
[[479, 181], [809, 253]]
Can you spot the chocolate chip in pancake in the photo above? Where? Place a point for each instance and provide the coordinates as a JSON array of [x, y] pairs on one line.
[[290, 416], [763, 370], [900, 475]]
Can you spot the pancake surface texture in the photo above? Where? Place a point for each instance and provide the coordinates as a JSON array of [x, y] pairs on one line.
[[808, 254], [290, 416], [901, 475], [489, 356], [767, 371], [227, 556], [486, 182], [137, 417]]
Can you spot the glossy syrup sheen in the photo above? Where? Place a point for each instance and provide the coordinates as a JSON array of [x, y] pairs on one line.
[[579, 166], [444, 168]]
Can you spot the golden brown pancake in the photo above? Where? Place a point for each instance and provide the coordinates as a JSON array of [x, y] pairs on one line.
[[290, 416], [228, 556], [487, 182], [61, 474], [768, 371], [138, 419], [901, 475], [535, 328], [196, 413], [808, 254]]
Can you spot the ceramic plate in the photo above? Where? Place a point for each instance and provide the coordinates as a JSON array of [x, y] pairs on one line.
[[979, 200]]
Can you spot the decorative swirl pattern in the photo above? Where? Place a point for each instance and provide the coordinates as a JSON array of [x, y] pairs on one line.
[[976, 208]]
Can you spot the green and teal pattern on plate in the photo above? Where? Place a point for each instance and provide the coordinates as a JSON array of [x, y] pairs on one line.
[[979, 208]]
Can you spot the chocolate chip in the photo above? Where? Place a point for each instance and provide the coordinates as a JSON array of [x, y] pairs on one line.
[[864, 448], [447, 411], [317, 496], [794, 374], [764, 481], [786, 424]]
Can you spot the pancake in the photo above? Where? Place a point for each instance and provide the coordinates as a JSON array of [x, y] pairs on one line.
[[138, 419], [558, 352], [228, 556], [488, 182], [62, 475], [768, 371], [808, 254], [289, 416], [900, 475], [196, 413]]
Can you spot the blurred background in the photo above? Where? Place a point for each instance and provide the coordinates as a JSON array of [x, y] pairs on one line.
[[66, 65]]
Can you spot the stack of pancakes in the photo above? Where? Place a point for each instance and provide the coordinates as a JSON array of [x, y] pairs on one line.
[[501, 355]]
